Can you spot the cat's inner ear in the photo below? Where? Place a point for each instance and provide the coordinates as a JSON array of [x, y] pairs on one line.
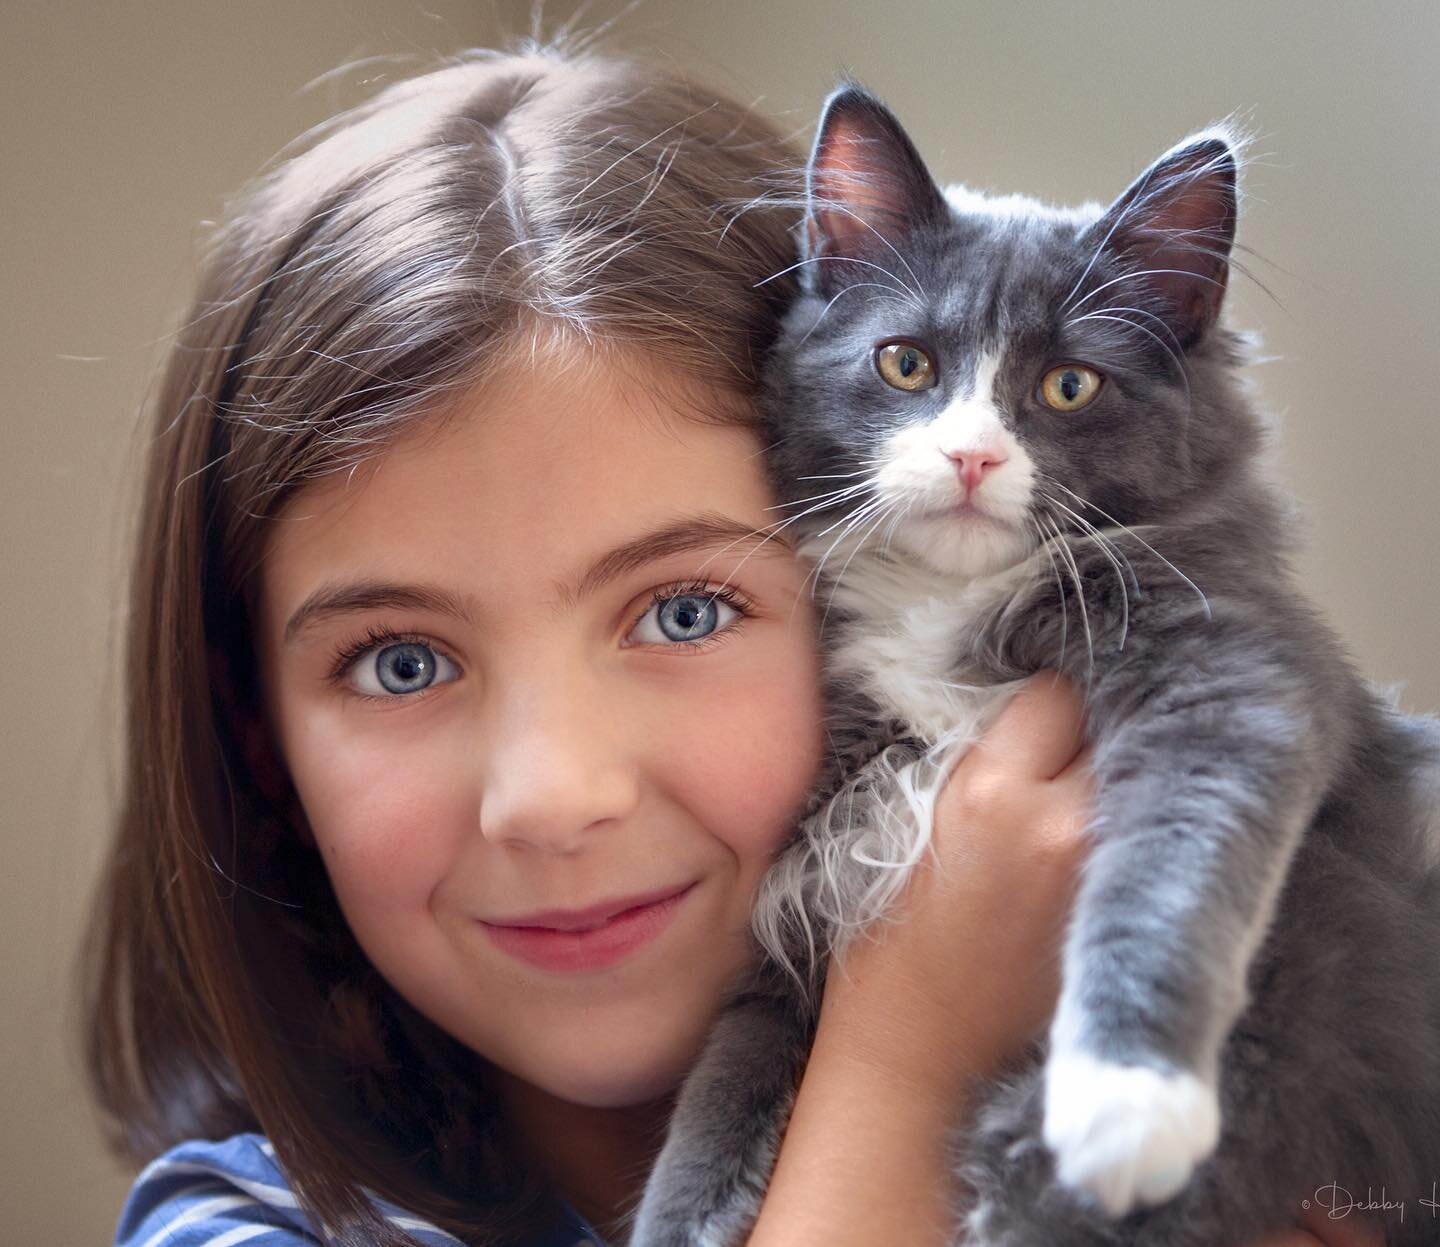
[[868, 188], [1173, 229]]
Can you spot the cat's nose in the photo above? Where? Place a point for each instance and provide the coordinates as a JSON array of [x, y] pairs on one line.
[[971, 465]]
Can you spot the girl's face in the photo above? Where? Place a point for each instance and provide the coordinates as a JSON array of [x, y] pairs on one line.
[[542, 710]]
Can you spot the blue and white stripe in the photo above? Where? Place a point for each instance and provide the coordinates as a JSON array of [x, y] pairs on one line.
[[218, 1194]]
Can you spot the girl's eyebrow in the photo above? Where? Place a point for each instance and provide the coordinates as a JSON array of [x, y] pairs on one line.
[[701, 532]]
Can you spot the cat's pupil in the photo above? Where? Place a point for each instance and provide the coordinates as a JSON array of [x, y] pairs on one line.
[[909, 361], [1070, 386]]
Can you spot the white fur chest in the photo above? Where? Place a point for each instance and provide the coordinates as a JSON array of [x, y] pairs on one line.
[[906, 643]]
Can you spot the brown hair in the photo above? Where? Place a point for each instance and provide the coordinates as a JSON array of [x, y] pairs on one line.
[[349, 293]]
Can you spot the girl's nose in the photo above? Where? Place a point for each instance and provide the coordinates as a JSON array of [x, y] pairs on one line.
[[559, 769]]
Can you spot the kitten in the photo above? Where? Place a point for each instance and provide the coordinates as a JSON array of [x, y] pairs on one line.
[[1015, 438]]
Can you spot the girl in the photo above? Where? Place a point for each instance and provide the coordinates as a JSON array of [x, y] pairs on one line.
[[468, 705]]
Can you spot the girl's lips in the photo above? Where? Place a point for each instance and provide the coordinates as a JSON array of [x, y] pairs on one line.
[[594, 949]]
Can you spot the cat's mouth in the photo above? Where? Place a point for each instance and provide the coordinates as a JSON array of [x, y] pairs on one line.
[[969, 513], [970, 509]]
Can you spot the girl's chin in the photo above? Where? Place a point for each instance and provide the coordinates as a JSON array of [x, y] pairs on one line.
[[613, 1071], [605, 1090]]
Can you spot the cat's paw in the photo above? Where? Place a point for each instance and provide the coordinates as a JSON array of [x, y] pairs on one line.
[[1126, 1134]]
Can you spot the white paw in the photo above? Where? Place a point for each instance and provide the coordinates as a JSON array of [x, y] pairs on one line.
[[1127, 1134]]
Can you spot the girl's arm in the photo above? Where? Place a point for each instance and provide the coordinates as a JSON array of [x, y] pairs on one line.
[[927, 1005]]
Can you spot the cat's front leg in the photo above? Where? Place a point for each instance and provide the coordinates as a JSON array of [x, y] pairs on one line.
[[707, 1185], [1212, 752]]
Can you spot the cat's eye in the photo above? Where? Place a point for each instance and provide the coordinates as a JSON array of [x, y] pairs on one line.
[[1069, 387], [905, 365]]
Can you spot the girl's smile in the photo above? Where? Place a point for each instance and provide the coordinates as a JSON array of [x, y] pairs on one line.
[[482, 746], [586, 942]]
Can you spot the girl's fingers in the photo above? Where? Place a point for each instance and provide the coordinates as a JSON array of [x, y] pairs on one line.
[[1319, 1229], [1038, 734], [1352, 1229]]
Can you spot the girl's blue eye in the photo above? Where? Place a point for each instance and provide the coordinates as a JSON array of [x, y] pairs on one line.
[[685, 617], [407, 667]]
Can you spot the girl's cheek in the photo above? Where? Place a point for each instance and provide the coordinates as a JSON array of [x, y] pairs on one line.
[[753, 757], [385, 818]]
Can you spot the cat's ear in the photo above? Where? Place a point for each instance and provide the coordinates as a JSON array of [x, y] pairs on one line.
[[867, 188], [1174, 228]]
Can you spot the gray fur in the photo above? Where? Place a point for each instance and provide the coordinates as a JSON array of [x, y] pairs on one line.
[[1260, 909]]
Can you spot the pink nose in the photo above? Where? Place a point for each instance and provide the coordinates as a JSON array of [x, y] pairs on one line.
[[971, 465]]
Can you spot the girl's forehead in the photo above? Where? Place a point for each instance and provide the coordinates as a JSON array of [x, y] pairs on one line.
[[596, 424], [537, 469]]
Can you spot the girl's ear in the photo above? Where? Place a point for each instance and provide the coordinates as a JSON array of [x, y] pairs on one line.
[[867, 188], [1173, 229], [257, 746]]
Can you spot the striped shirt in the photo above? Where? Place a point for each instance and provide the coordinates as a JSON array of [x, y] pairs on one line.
[[217, 1194]]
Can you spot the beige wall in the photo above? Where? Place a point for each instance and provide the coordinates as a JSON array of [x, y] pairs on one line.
[[125, 125]]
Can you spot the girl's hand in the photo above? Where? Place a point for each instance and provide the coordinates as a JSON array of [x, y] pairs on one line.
[[1321, 1230], [968, 971]]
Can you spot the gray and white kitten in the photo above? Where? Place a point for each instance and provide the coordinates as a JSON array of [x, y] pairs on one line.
[[1015, 438]]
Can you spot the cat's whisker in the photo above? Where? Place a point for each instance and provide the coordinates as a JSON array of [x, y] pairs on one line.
[[825, 532], [822, 502], [1143, 201], [775, 531], [846, 524], [1106, 542], [802, 515], [827, 501], [1120, 219], [1057, 540], [740, 566], [1144, 272], [1138, 311], [1090, 532], [1044, 541], [1118, 560], [1125, 528], [1074, 569], [918, 290], [1105, 547], [894, 523], [825, 311], [899, 288], [859, 545], [1121, 320], [1223, 253], [766, 450], [840, 493], [850, 524]]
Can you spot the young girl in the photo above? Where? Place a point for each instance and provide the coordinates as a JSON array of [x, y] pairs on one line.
[[468, 704]]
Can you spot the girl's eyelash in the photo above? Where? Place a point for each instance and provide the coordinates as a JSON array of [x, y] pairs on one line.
[[352, 651], [698, 588]]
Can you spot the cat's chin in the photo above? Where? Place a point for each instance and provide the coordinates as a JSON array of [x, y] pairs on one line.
[[969, 546]]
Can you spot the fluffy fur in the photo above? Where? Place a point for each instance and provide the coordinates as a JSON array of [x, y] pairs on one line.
[[1250, 1005]]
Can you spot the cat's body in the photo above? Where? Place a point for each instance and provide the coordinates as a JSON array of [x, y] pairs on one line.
[[1252, 957]]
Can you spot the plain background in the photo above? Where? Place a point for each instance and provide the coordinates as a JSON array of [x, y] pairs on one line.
[[126, 124]]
